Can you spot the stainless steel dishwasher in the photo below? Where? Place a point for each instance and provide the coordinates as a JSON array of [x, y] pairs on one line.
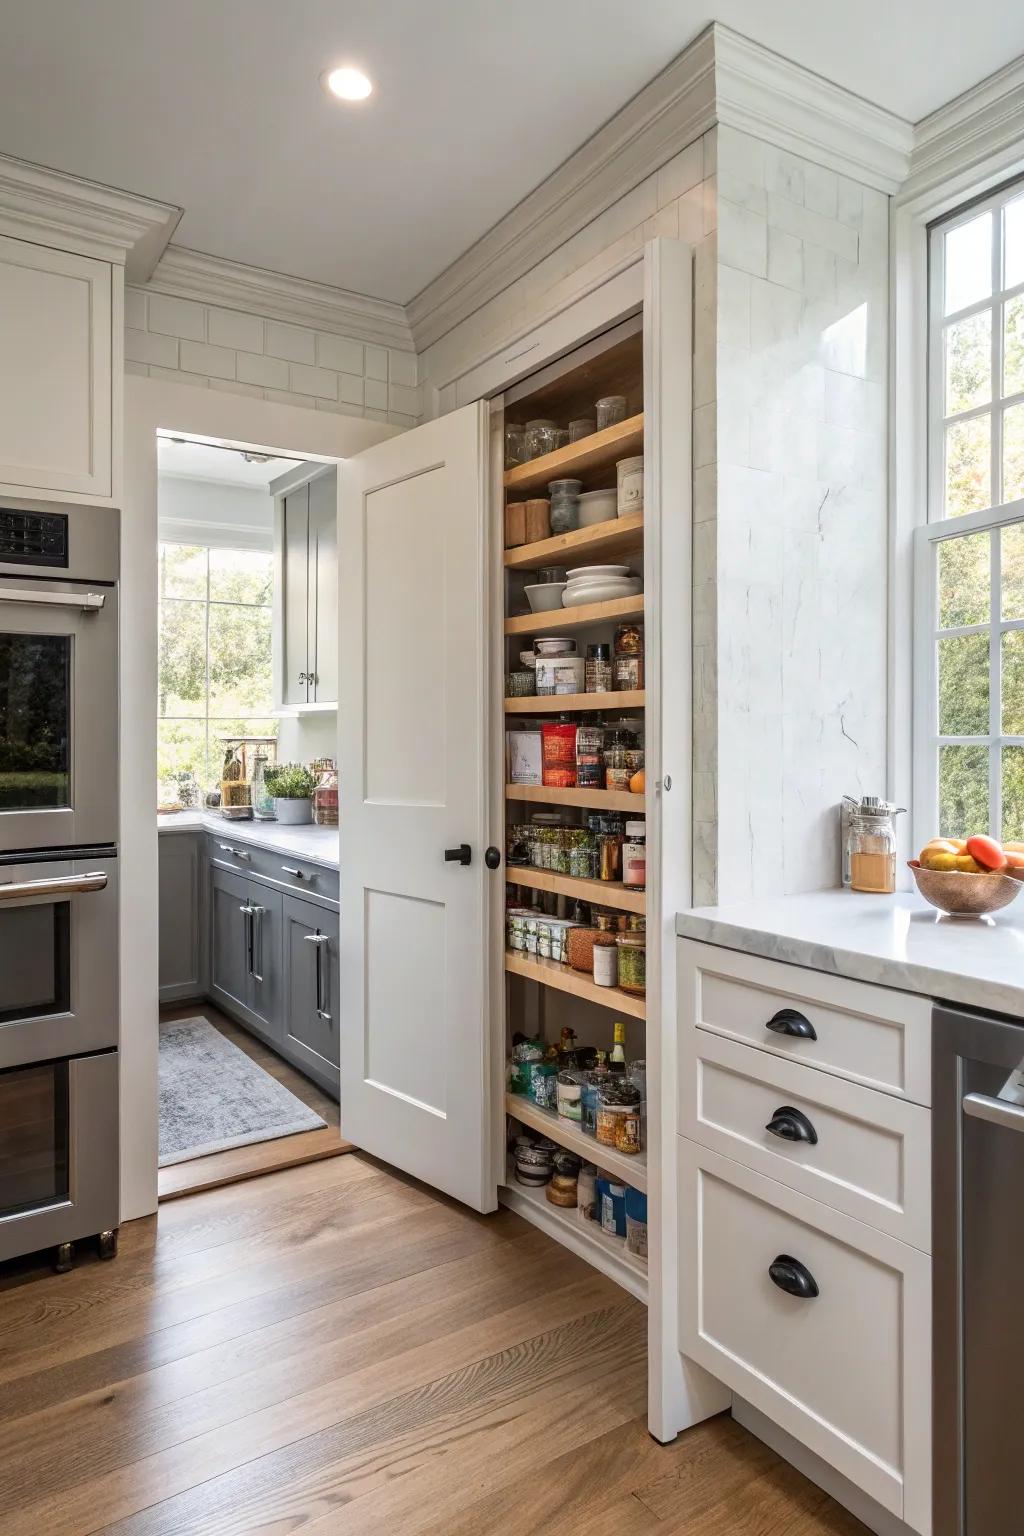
[[978, 1245]]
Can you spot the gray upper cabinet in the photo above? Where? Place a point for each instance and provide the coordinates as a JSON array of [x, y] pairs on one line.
[[306, 594]]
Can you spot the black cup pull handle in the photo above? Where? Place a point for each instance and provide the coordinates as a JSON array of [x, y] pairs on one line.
[[791, 1124], [789, 1022], [793, 1277], [463, 855]]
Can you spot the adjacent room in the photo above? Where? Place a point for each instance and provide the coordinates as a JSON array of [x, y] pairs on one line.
[[511, 768]]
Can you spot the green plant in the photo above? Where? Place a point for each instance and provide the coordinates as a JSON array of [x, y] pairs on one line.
[[290, 781]]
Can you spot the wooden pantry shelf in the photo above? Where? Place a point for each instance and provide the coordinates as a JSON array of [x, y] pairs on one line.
[[608, 1254], [601, 450], [603, 893], [590, 799], [630, 1168], [562, 620], [619, 536], [561, 703], [551, 973]]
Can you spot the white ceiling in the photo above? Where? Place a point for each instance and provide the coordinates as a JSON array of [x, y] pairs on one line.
[[178, 457], [215, 105]]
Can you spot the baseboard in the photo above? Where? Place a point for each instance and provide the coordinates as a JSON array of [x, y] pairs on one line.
[[834, 1483]]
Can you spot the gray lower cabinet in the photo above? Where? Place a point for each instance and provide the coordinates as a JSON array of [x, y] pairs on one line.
[[245, 942], [181, 902], [311, 988]]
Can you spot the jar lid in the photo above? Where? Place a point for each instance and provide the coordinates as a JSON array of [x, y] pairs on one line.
[[612, 400], [565, 487], [601, 652], [632, 940], [636, 828]]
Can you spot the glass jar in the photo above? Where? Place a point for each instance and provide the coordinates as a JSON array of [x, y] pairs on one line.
[[634, 855], [871, 844], [569, 1094], [583, 426], [610, 847], [565, 505], [558, 754], [609, 410], [515, 445], [540, 437], [632, 962], [583, 855], [586, 1192], [598, 672], [617, 770], [262, 800], [562, 1190], [590, 755], [325, 795], [629, 640], [543, 1085], [629, 1131], [592, 1083]]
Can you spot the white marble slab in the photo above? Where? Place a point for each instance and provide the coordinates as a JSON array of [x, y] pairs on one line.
[[317, 844], [898, 941]]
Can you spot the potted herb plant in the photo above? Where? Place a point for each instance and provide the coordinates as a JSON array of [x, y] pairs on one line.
[[291, 787]]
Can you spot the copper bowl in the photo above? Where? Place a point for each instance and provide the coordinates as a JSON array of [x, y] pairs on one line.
[[960, 894]]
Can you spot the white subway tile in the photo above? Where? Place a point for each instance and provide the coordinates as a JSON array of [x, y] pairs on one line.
[[232, 328], [146, 347], [306, 380], [812, 227], [215, 362], [172, 376], [742, 239], [709, 145], [405, 401], [135, 308], [376, 363], [176, 317], [774, 314], [784, 174], [339, 353], [351, 388], [402, 368], [375, 393], [680, 173], [267, 372], [785, 259], [821, 190], [374, 415], [235, 387], [850, 202], [339, 407], [138, 370], [734, 307], [819, 272], [400, 419], [286, 397], [705, 449], [292, 342], [741, 155], [855, 403], [734, 188]]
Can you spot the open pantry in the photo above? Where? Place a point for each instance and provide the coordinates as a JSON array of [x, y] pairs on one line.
[[576, 802]]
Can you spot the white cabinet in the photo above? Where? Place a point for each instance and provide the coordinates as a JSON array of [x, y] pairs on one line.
[[306, 594], [56, 372]]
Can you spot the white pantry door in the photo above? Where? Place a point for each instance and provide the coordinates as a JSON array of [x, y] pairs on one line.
[[412, 727]]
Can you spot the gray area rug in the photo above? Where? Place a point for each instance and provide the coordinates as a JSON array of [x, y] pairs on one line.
[[213, 1096]]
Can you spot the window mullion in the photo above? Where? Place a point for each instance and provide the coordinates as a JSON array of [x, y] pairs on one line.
[[995, 687]]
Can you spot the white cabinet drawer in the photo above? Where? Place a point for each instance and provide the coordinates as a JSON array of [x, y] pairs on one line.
[[872, 1035], [872, 1154], [846, 1371]]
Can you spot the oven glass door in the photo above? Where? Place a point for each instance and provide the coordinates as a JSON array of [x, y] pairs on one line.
[[35, 1148], [58, 714]]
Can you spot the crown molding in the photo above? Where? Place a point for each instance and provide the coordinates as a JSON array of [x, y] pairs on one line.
[[667, 115], [772, 98], [52, 208], [295, 300], [976, 139]]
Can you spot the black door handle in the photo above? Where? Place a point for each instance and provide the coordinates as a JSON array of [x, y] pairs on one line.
[[788, 1022], [793, 1277], [492, 858], [463, 854], [791, 1124]]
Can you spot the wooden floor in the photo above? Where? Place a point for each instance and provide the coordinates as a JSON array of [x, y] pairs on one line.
[[264, 1156], [335, 1350]]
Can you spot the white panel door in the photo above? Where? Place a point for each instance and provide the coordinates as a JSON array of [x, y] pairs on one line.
[[55, 370], [413, 739]]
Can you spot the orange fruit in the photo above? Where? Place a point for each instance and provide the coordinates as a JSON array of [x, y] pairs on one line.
[[638, 783], [986, 852]]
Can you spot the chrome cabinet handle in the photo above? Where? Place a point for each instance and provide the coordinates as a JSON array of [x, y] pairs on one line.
[[319, 939], [247, 910], [290, 871], [257, 944], [981, 1106], [60, 885], [239, 853], [88, 602]]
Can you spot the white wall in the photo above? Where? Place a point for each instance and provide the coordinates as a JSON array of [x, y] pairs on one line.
[[211, 511], [302, 738]]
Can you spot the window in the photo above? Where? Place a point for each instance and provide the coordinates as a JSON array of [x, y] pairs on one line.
[[969, 658], [215, 667]]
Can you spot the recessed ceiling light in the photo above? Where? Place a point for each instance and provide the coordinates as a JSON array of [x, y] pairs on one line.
[[347, 82]]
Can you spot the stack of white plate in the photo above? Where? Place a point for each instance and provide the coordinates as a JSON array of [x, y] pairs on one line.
[[599, 584]]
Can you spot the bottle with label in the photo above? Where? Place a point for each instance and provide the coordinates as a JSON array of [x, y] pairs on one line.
[[617, 1061]]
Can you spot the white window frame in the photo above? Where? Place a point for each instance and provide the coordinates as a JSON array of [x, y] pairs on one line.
[[938, 527]]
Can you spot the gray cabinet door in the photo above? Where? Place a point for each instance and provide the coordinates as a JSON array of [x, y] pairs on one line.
[[323, 587], [311, 988], [295, 596], [180, 887], [263, 988], [229, 938]]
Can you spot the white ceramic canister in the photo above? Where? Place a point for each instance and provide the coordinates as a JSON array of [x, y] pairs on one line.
[[560, 674], [630, 479], [606, 965]]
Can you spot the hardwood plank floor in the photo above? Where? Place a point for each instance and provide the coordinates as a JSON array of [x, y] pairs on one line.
[[336, 1349], [263, 1156]]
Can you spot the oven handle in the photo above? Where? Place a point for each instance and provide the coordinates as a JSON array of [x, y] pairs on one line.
[[62, 885], [89, 602], [996, 1111]]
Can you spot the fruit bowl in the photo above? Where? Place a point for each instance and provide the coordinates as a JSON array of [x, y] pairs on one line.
[[959, 894]]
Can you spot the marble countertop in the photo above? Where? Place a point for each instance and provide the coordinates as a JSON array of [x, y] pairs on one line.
[[317, 844], [898, 941]]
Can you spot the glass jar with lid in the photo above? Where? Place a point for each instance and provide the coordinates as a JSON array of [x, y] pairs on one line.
[[540, 437], [569, 1094], [870, 850], [515, 445], [325, 795], [565, 505], [610, 410], [634, 855], [632, 962]]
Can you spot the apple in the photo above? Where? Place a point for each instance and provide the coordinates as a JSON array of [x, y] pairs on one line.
[[986, 852]]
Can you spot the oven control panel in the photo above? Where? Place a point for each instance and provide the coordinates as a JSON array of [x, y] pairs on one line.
[[33, 538]]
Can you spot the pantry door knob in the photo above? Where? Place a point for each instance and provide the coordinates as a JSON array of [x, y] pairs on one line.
[[463, 855], [492, 858]]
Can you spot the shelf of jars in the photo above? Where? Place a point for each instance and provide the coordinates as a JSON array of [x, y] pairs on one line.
[[600, 451], [586, 1238], [619, 536], [562, 621], [552, 973], [586, 799], [605, 893], [567, 703], [631, 1168]]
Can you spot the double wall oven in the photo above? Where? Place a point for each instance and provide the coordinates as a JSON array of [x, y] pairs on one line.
[[58, 879]]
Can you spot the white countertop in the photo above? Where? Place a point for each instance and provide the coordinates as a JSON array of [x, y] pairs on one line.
[[897, 941], [317, 844]]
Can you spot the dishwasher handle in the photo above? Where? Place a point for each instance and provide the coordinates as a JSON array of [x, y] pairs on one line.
[[981, 1106]]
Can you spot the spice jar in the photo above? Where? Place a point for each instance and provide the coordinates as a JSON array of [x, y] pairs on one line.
[[629, 474], [590, 756], [598, 672], [628, 663], [632, 962], [629, 1126], [617, 770], [565, 505], [609, 410], [615, 1098], [558, 754], [634, 854]]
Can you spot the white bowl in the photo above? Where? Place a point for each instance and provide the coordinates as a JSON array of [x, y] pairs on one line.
[[598, 507], [601, 591], [586, 572], [528, 658], [543, 596], [554, 645]]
